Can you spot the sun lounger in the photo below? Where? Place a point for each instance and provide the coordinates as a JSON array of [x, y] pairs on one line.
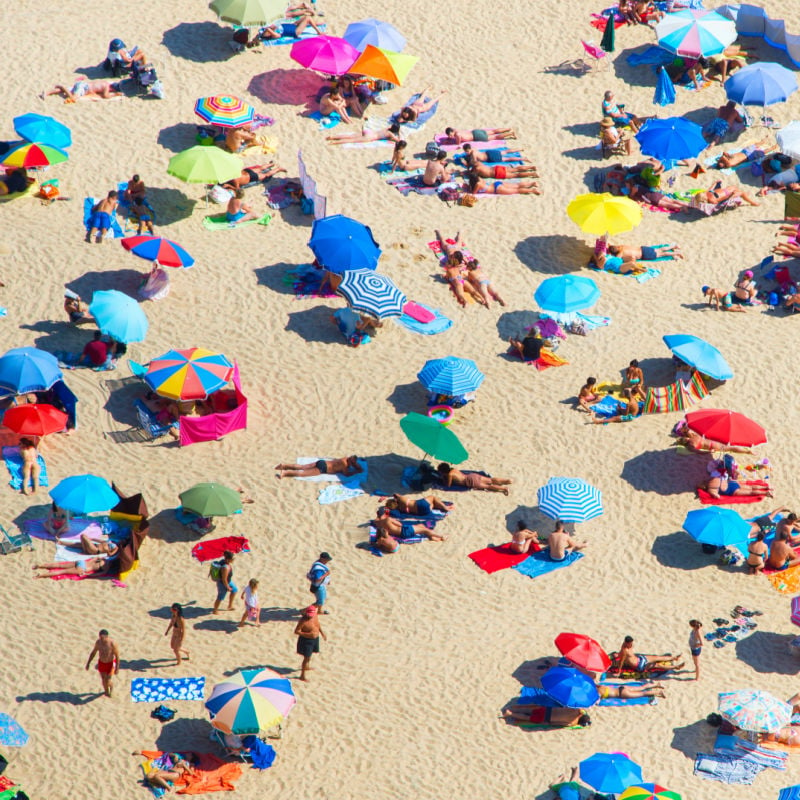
[[13, 543]]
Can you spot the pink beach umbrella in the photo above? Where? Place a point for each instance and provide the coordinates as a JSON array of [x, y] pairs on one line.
[[796, 610], [327, 54]]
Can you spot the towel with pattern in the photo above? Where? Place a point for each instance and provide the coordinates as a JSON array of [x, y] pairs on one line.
[[156, 690], [337, 492], [790, 793], [726, 769], [14, 465], [541, 563], [421, 119]]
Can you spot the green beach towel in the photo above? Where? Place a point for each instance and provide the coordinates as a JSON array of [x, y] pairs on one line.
[[218, 222]]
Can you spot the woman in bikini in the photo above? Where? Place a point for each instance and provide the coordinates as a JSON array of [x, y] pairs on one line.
[[723, 486], [719, 194], [757, 554], [475, 185], [423, 103], [57, 522], [399, 160], [630, 692], [253, 174], [587, 396], [385, 542], [479, 281], [633, 379], [91, 547], [85, 566], [450, 476], [390, 134]]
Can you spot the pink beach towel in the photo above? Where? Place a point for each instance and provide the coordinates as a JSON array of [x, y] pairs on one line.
[[447, 144]]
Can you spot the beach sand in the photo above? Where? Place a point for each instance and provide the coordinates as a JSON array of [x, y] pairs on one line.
[[424, 649]]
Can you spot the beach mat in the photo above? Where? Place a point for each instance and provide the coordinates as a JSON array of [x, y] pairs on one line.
[[494, 558], [540, 563], [707, 500], [439, 324], [156, 690], [214, 548], [218, 222], [77, 525], [14, 465], [308, 33]]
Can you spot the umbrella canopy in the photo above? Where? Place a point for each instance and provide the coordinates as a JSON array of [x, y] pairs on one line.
[[649, 791], [599, 214], [249, 13], [563, 293], [450, 375], [328, 54], [211, 500], [84, 494], [26, 369], [699, 354], [224, 111], [119, 316], [188, 374], [753, 710], [671, 139], [610, 772], [569, 687], [250, 701], [570, 500], [341, 243], [583, 651], [796, 610], [374, 32], [11, 732], [718, 526], [609, 34], [201, 164], [726, 427], [433, 438], [761, 84], [372, 293], [695, 33], [384, 65], [665, 89], [44, 129], [34, 154], [789, 140], [155, 248], [35, 419]]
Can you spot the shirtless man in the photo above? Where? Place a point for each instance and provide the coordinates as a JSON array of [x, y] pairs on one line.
[[629, 252], [627, 659], [479, 134], [30, 465], [479, 280], [107, 659], [401, 530], [781, 554], [334, 102], [236, 139], [308, 630], [492, 156], [237, 211], [546, 715], [347, 466], [561, 543], [727, 116], [421, 507], [436, 170], [789, 525], [100, 219], [253, 174], [86, 89], [499, 171], [136, 189], [91, 547], [522, 538], [752, 152]]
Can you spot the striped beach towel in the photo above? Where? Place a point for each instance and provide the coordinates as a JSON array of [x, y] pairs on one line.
[[775, 759], [677, 396]]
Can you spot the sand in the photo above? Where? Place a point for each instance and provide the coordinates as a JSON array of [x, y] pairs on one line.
[[424, 649]]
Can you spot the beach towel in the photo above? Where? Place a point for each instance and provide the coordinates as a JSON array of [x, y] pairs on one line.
[[439, 324], [156, 690], [308, 33], [768, 758], [114, 232], [786, 581], [609, 406], [211, 774], [305, 280], [448, 145], [214, 548], [712, 160], [678, 396], [496, 557], [14, 465], [653, 55], [726, 769], [409, 473], [218, 222], [326, 122], [336, 493], [352, 480], [77, 526], [790, 793], [707, 500], [412, 182], [262, 755], [541, 563], [64, 553], [421, 119], [366, 145]]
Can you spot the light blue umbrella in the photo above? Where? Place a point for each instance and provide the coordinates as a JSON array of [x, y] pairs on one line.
[[44, 129], [372, 293], [761, 84], [671, 139], [378, 34], [665, 89], [450, 375], [11, 732], [718, 526], [571, 688], [26, 369], [610, 772], [701, 355], [570, 500], [564, 293], [695, 33], [119, 316], [84, 494]]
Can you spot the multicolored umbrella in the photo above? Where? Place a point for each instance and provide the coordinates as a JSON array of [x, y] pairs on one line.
[[761, 84], [450, 375], [374, 32], [698, 353], [119, 316], [341, 243], [583, 651], [570, 500], [433, 438], [372, 293], [671, 139], [33, 155], [753, 710], [718, 526], [328, 54], [155, 248], [569, 687], [250, 701], [609, 772], [84, 494], [26, 369], [604, 213], [384, 65], [188, 374], [695, 33], [11, 732], [211, 500], [205, 164], [224, 111], [35, 419], [649, 791], [564, 293], [43, 129], [726, 427], [249, 13]]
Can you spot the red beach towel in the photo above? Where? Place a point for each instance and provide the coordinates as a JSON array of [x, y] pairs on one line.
[[493, 559], [707, 500], [214, 548]]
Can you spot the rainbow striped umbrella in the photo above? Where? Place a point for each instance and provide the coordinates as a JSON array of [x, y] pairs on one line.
[[225, 111], [649, 791], [250, 701], [188, 374], [33, 154]]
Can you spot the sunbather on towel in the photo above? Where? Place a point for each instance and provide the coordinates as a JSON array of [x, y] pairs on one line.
[[30, 465], [587, 396], [730, 59], [630, 411], [347, 466], [422, 104], [236, 211], [655, 198], [451, 476], [454, 273], [402, 530], [399, 160], [781, 553], [630, 692], [752, 152], [159, 777], [540, 715], [614, 264], [724, 486], [727, 117], [332, 102], [77, 310], [479, 280], [437, 170], [390, 134], [790, 735], [475, 184], [790, 249], [422, 507], [500, 171], [15, 180], [57, 522], [779, 177], [719, 194], [628, 660], [83, 88], [86, 566], [491, 156], [530, 347], [302, 15], [629, 252], [479, 134], [522, 538], [721, 300], [253, 174], [561, 544], [91, 547], [100, 219]]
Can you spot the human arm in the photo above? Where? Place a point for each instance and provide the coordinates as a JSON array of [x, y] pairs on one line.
[[170, 626], [297, 628], [224, 576], [322, 633], [91, 657]]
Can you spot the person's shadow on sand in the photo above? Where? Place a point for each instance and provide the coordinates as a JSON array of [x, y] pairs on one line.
[[72, 698], [201, 42]]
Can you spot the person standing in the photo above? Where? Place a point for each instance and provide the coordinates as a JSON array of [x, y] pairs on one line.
[[252, 608], [177, 625], [319, 577], [696, 645], [107, 659], [308, 630], [224, 579]]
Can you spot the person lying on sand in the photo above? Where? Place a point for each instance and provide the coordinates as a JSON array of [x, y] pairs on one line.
[[789, 735], [630, 252], [423, 103], [499, 171], [253, 174], [719, 194], [403, 530], [84, 89], [655, 198], [347, 466], [399, 160], [159, 777], [422, 507], [628, 660], [475, 184], [615, 264], [789, 249], [630, 692], [540, 715], [479, 134], [390, 134], [721, 300], [450, 476]]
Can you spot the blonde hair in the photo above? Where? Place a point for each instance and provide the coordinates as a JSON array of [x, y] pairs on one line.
[[253, 583]]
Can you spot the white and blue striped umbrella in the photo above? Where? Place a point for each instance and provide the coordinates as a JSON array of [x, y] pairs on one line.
[[570, 500], [372, 293], [450, 375], [695, 33]]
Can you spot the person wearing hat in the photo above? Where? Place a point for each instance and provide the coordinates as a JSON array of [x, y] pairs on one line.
[[720, 299], [612, 139], [308, 630], [118, 55], [77, 310], [744, 292], [319, 576]]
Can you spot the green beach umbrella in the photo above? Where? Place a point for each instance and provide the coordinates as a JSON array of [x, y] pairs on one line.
[[433, 438], [205, 164], [211, 500], [249, 13], [607, 42]]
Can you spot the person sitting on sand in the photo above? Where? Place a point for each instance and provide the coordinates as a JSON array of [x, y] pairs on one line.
[[346, 466], [781, 553], [756, 554], [57, 521], [84, 89], [100, 220], [143, 216], [561, 544], [237, 139], [612, 139], [744, 290], [630, 411], [437, 170], [588, 395], [630, 661], [720, 300], [633, 379], [253, 174], [493, 155], [135, 190], [91, 547], [545, 715], [681, 70], [530, 347], [629, 252], [722, 485], [475, 185], [398, 529], [332, 102], [479, 134], [237, 211], [77, 310], [423, 103], [82, 567], [781, 178], [159, 778], [421, 507], [522, 539], [499, 171], [752, 152], [399, 160], [390, 134], [14, 181], [479, 280], [719, 127], [30, 465], [450, 476]]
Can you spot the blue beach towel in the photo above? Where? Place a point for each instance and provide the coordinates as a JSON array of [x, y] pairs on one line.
[[537, 696], [540, 563], [156, 690], [790, 793], [726, 769], [609, 406], [633, 701], [326, 122], [438, 325], [115, 232], [421, 119], [14, 463], [261, 753]]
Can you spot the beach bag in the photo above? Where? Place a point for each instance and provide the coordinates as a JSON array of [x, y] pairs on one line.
[[163, 714], [219, 194], [214, 569], [157, 89], [448, 194], [432, 149], [730, 557], [49, 190]]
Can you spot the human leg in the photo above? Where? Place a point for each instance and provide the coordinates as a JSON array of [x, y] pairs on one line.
[[304, 667], [494, 294], [517, 345]]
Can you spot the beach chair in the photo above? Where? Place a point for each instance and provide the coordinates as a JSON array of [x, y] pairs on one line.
[[596, 55], [218, 737], [148, 422], [14, 543]]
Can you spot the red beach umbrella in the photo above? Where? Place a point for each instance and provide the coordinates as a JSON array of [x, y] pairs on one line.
[[35, 419], [583, 651], [726, 427]]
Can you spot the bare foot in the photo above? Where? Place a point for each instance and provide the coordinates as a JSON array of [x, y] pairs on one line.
[[505, 492]]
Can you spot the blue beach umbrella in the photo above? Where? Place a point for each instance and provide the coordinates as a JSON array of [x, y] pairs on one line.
[[11, 732], [378, 34], [701, 355], [84, 494], [610, 772], [570, 500], [671, 139], [718, 526], [665, 89], [119, 316], [44, 129], [761, 84], [450, 375], [564, 293], [341, 243], [372, 293], [570, 687], [26, 369]]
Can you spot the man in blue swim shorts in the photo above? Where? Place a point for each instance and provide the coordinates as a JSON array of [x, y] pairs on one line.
[[404, 530], [237, 211], [99, 221]]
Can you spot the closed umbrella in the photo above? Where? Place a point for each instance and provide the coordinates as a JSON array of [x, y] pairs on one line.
[[796, 610], [699, 354], [33, 155], [224, 111], [753, 710], [789, 140], [372, 293], [570, 500], [249, 13], [374, 32], [726, 427], [665, 89], [761, 84], [211, 500], [564, 293], [384, 65], [341, 243], [44, 129], [119, 316], [602, 213], [433, 438], [155, 248], [188, 374], [569, 687], [609, 34], [671, 139], [84, 494], [649, 791], [450, 375], [205, 164], [720, 527], [26, 369], [35, 419], [583, 651], [695, 33], [610, 772], [328, 54]]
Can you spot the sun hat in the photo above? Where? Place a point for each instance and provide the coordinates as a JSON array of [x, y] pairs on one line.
[[748, 273], [607, 122]]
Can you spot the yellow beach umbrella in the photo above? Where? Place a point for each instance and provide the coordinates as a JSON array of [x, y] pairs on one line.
[[604, 213], [384, 64]]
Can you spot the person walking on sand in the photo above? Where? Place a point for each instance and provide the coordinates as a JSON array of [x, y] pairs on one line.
[[252, 608], [308, 630], [224, 579], [319, 576], [177, 625], [696, 645], [107, 659]]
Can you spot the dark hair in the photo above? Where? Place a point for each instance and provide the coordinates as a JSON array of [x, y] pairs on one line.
[[441, 155], [394, 128], [466, 147], [113, 194], [695, 623], [760, 536], [628, 639], [24, 440], [791, 517], [103, 632], [591, 381], [449, 131], [334, 92], [521, 525], [227, 555], [634, 363], [443, 468], [136, 178], [559, 524], [584, 720], [400, 144], [473, 182], [381, 511], [96, 335], [177, 607]]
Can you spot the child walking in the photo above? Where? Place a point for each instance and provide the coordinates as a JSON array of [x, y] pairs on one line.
[[696, 645], [177, 625], [252, 609]]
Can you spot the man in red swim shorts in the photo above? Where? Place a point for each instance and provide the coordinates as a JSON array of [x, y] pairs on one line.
[[500, 172], [107, 659]]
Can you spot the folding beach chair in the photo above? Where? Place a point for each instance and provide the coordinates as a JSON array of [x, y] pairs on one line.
[[148, 422], [14, 543], [597, 56]]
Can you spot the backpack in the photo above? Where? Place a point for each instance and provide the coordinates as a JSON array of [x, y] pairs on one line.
[[448, 194], [432, 149], [214, 569]]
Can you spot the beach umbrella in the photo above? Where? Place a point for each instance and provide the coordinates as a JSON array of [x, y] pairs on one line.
[[373, 31], [570, 500], [789, 140], [211, 500], [726, 427], [717, 526], [796, 610], [32, 155], [695, 33], [665, 89], [11, 732], [205, 164], [119, 316], [188, 374], [583, 651], [35, 419], [329, 54], [224, 111], [609, 34], [569, 687], [649, 791], [761, 84], [564, 293], [26, 369], [754, 710], [450, 375], [610, 772], [341, 243], [249, 13], [372, 293], [698, 353], [84, 494], [155, 248], [250, 701], [384, 65], [602, 213], [671, 139], [44, 129], [433, 438]]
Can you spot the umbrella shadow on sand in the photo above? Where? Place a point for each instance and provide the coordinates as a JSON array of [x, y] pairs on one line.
[[178, 137], [171, 205], [529, 673], [122, 280], [664, 472], [514, 323], [273, 667], [165, 526], [272, 276], [767, 651], [55, 336], [315, 325], [121, 394], [286, 87], [201, 42], [679, 551], [698, 737], [385, 472], [634, 75], [407, 397], [534, 520], [184, 734], [553, 254]]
